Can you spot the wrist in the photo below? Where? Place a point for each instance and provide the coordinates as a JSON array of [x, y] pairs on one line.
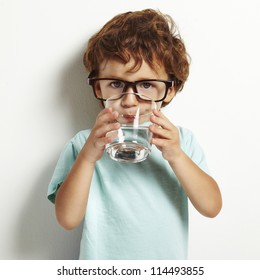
[[87, 156], [177, 158]]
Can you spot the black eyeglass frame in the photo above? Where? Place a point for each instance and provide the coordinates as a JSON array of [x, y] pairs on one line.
[[168, 84]]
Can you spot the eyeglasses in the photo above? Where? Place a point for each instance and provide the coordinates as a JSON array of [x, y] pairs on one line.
[[152, 89]]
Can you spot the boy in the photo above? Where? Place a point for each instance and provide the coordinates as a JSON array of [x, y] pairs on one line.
[[134, 211]]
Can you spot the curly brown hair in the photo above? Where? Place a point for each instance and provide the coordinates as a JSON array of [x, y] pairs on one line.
[[145, 35]]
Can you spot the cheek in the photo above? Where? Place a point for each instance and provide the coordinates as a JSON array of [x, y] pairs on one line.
[[158, 105], [115, 105], [170, 95]]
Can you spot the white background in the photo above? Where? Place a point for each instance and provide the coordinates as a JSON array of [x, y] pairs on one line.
[[45, 101]]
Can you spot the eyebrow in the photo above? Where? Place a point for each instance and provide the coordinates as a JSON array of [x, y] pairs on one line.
[[122, 79]]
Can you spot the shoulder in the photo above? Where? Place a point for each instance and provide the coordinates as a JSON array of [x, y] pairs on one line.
[[192, 148], [78, 140], [186, 135], [81, 135], [188, 141]]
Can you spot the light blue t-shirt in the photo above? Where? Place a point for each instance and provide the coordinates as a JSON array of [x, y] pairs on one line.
[[135, 210]]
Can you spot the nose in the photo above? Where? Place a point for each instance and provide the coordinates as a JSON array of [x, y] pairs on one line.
[[129, 99], [130, 87]]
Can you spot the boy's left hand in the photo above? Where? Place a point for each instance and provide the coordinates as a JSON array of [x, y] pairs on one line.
[[165, 136]]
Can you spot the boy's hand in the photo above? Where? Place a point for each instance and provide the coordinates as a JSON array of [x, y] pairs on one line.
[[97, 140], [165, 136]]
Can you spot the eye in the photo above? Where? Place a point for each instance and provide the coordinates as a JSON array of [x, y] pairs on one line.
[[116, 84], [146, 85]]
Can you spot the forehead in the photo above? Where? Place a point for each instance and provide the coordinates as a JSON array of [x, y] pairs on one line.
[[115, 68]]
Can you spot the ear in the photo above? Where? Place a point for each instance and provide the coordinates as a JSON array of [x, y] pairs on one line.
[[170, 95]]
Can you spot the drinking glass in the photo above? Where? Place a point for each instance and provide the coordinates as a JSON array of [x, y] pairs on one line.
[[132, 141]]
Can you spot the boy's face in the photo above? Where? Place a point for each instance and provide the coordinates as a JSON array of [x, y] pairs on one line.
[[117, 70]]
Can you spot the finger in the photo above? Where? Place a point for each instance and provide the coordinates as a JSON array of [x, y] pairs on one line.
[[158, 142], [159, 114], [106, 116], [161, 120], [102, 130], [104, 111], [100, 143], [159, 132]]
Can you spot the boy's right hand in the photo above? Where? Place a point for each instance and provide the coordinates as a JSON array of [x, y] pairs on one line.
[[97, 140]]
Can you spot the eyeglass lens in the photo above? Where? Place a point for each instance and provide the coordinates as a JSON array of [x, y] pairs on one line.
[[106, 88]]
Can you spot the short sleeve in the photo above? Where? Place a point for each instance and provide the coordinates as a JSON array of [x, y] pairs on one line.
[[193, 149], [64, 164]]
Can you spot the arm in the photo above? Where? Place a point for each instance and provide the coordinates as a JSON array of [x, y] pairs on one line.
[[201, 189], [72, 196]]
